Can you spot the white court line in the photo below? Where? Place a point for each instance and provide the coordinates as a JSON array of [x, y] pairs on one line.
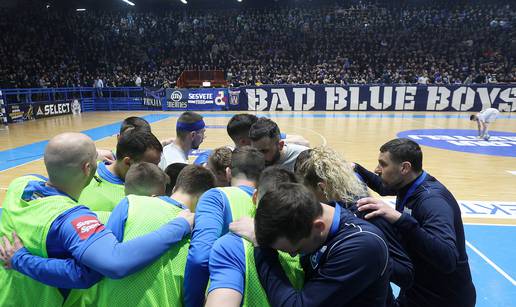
[[491, 263], [324, 143], [511, 172]]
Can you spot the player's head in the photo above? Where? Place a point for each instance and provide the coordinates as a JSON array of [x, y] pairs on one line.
[[301, 158], [238, 128], [173, 171], [190, 129], [137, 145], [399, 160], [145, 179], [246, 163], [289, 218], [70, 160], [473, 117], [194, 180], [265, 136], [134, 122], [218, 161], [270, 178], [330, 177]]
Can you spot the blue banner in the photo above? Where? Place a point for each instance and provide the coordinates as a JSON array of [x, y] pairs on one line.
[[209, 99], [373, 98]]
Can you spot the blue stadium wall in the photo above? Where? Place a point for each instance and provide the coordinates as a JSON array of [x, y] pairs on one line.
[[23, 104]]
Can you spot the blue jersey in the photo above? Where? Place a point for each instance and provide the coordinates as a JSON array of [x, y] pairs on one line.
[[212, 219], [227, 263], [202, 158], [105, 174]]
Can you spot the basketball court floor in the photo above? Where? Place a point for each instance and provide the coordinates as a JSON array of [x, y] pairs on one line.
[[481, 175]]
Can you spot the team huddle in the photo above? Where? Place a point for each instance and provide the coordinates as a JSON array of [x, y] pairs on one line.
[[266, 221]]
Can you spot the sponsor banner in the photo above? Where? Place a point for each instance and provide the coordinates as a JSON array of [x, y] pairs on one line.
[[52, 109], [499, 143], [153, 98], [374, 98], [213, 99], [19, 112], [481, 209]]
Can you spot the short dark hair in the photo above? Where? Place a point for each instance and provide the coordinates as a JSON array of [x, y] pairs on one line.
[[301, 158], [273, 176], [187, 117], [195, 180], [472, 117], [220, 159], [239, 125], [264, 127], [287, 211], [248, 161], [144, 179], [404, 149], [134, 142], [173, 171], [134, 122]]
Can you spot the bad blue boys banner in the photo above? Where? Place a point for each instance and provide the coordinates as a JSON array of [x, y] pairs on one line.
[[373, 98], [212, 99]]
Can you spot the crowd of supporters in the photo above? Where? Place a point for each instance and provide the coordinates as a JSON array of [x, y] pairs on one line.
[[393, 43]]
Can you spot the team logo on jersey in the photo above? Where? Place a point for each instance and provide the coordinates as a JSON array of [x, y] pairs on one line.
[[85, 226], [501, 143], [314, 259]]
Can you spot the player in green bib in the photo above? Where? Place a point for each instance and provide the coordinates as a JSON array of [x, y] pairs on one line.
[[47, 218], [216, 209], [106, 189], [233, 277]]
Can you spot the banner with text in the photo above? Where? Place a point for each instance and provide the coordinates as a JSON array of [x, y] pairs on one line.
[[373, 98], [210, 99]]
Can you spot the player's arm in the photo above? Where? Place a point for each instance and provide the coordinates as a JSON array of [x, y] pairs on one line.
[[224, 297], [59, 273], [372, 180], [91, 244], [227, 272], [209, 220]]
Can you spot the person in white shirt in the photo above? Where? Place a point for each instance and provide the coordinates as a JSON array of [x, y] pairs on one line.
[[138, 81], [484, 119], [265, 136], [189, 135]]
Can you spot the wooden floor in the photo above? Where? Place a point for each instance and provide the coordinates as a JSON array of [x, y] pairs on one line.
[[468, 176]]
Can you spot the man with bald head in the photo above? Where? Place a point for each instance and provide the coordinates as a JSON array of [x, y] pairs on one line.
[[50, 222]]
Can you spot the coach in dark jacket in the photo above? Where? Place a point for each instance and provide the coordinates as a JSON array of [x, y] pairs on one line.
[[428, 219]]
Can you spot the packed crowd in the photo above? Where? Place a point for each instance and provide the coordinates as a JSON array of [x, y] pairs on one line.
[[441, 43]]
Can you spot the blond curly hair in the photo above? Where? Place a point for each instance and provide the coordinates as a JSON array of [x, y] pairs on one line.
[[326, 165]]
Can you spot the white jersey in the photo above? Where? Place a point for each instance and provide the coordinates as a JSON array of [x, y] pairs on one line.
[[289, 156], [172, 154], [488, 115]]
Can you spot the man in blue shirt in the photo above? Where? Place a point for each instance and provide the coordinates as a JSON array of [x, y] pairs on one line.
[[428, 219], [76, 234], [214, 213], [345, 259], [227, 258]]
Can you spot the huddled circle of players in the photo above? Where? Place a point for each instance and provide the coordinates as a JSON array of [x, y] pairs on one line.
[[266, 221]]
